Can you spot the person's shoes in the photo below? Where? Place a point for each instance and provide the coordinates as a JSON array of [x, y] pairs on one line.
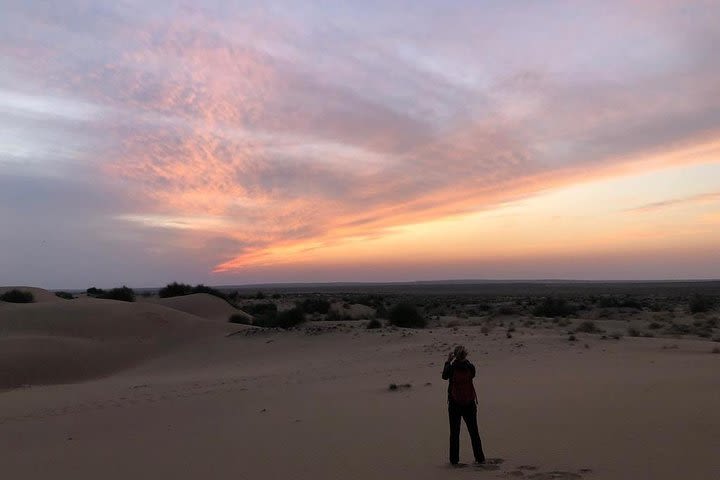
[[480, 462]]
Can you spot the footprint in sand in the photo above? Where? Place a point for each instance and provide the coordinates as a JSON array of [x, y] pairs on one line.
[[555, 475], [490, 464]]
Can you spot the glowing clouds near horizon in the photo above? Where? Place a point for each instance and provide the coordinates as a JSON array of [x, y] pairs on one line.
[[263, 140]]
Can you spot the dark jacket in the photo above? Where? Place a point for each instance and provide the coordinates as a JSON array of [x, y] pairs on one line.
[[447, 373]]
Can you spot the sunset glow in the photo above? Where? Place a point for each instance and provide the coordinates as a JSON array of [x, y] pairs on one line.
[[234, 142]]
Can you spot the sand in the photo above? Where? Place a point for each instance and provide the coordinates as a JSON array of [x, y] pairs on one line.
[[70, 340], [314, 404], [202, 305]]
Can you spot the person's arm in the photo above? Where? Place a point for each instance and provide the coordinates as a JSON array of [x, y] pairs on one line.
[[472, 370], [447, 369]]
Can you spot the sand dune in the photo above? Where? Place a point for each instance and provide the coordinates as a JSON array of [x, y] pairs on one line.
[[295, 405], [40, 295], [201, 304], [65, 341], [168, 394]]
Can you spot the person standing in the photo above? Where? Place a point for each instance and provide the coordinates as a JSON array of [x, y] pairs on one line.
[[462, 403]]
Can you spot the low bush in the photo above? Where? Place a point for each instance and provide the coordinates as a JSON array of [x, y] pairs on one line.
[[678, 329], [553, 307], [123, 293], [267, 309], [315, 305], [17, 296], [406, 315], [633, 332], [175, 289], [95, 292], [65, 295], [210, 291], [701, 303], [287, 319], [588, 326], [374, 323], [239, 318], [619, 302]]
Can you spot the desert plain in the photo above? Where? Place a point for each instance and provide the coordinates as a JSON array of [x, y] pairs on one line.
[[574, 381]]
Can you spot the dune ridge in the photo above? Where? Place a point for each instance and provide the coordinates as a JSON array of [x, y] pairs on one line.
[[63, 341], [201, 304]]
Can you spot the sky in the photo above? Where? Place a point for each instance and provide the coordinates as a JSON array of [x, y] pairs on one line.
[[238, 142]]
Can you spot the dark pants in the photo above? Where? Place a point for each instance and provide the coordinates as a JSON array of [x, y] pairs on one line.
[[469, 414]]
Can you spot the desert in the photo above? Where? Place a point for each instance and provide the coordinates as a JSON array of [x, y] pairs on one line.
[[96, 387]]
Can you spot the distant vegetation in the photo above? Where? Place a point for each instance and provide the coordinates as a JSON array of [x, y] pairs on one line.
[[260, 310], [374, 323], [406, 315], [701, 303], [287, 319], [65, 295], [588, 326], [267, 315], [17, 296], [240, 318], [123, 293], [314, 305], [553, 307], [176, 289]]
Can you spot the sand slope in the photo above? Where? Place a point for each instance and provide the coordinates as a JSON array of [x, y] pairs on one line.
[[309, 406], [65, 341], [201, 304]]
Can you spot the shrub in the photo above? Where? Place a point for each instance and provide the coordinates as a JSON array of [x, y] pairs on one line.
[[175, 289], [210, 291], [374, 323], [65, 295], [123, 293], [678, 329], [315, 305], [506, 310], [394, 386], [260, 295], [239, 318], [633, 332], [95, 292], [588, 326], [267, 309], [701, 303], [290, 318], [17, 296], [654, 325], [553, 307], [286, 319], [406, 315]]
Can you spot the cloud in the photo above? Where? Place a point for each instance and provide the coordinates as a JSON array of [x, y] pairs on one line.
[[690, 200], [283, 128]]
